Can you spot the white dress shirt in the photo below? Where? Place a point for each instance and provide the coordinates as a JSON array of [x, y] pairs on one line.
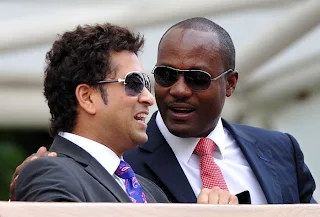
[[105, 156], [227, 155]]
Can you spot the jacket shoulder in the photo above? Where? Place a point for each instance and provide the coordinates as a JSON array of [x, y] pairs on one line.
[[48, 179], [256, 132]]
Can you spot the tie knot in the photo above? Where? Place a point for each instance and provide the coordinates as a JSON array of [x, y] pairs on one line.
[[124, 170], [205, 147]]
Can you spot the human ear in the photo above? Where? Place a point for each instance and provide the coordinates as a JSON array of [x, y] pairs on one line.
[[84, 94], [231, 79]]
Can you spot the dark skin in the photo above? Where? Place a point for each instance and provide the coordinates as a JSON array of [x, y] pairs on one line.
[[183, 49], [191, 49]]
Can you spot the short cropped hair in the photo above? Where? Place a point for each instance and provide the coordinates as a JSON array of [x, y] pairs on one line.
[[227, 50]]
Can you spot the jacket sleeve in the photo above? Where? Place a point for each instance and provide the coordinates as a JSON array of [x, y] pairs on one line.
[[306, 183], [48, 180]]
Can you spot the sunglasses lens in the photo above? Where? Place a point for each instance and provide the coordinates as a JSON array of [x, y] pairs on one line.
[[165, 76], [197, 80], [134, 84]]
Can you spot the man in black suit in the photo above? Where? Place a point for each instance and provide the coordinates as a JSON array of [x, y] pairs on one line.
[[95, 118], [98, 98]]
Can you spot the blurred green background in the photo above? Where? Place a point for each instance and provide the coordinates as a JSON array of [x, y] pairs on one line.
[[15, 146]]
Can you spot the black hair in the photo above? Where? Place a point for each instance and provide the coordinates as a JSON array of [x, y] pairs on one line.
[[82, 56]]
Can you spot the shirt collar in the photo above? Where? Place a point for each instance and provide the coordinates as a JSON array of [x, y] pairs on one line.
[[105, 156], [183, 147]]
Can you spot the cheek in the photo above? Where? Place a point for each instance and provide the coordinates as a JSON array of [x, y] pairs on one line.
[[219, 90], [128, 106], [121, 108], [160, 93], [213, 101]]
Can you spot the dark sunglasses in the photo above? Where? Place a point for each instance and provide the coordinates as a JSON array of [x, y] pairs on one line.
[[195, 79], [134, 82]]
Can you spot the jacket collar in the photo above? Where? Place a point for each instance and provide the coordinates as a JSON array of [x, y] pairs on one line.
[[64, 147]]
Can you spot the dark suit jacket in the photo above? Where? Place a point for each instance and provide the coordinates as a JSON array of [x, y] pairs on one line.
[[275, 158], [74, 176]]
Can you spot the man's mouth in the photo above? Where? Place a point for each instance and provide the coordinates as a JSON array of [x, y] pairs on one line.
[[141, 117], [181, 108]]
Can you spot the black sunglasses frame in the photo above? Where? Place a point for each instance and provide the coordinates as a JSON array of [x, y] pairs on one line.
[[187, 81]]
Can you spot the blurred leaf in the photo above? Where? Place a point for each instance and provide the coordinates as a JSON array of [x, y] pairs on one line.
[[10, 157]]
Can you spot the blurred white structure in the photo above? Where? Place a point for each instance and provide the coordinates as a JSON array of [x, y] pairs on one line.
[[277, 44]]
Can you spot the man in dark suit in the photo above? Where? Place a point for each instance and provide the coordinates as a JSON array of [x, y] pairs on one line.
[[75, 176], [98, 98], [195, 72], [92, 73], [269, 164]]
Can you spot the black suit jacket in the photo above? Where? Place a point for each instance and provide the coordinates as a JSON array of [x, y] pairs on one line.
[[275, 158], [74, 176]]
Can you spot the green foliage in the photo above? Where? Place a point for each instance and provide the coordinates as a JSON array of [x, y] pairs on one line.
[[11, 156]]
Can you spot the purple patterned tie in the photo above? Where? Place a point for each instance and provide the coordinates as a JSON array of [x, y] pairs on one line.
[[134, 189]]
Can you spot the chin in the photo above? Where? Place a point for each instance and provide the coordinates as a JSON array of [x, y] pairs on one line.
[[183, 133], [144, 139], [139, 139]]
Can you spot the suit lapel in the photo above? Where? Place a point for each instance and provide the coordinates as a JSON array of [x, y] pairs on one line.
[[261, 162], [165, 165], [91, 166], [94, 169]]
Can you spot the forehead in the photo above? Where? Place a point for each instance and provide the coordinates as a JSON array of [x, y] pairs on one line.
[[124, 62], [190, 49]]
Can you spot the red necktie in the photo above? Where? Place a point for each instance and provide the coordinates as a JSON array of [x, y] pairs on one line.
[[210, 172]]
